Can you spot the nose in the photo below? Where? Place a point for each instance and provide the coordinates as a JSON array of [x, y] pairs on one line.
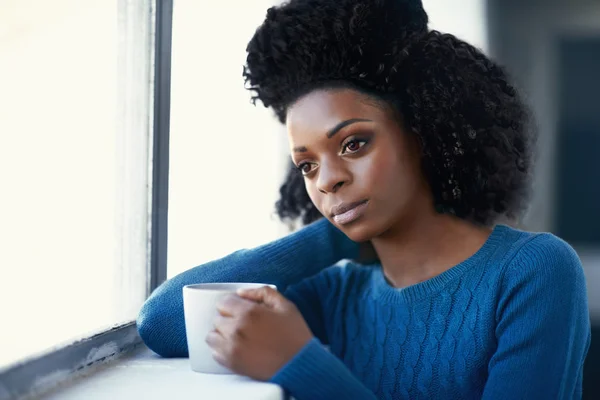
[[332, 176]]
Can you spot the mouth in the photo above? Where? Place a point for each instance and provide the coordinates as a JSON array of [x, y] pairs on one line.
[[347, 212]]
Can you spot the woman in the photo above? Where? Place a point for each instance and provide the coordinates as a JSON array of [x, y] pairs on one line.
[[415, 142]]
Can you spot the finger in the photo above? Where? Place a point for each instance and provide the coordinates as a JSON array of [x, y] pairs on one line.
[[215, 341], [265, 294], [220, 348], [221, 359], [233, 306], [251, 294], [227, 327]]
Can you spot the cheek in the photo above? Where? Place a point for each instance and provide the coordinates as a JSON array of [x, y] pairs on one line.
[[314, 195], [383, 169]]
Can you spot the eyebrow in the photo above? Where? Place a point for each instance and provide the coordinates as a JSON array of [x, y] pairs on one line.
[[334, 130], [344, 124]]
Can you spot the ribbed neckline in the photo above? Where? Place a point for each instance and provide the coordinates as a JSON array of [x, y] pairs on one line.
[[384, 292]]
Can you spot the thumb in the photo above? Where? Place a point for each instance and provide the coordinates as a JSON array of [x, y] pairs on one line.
[[266, 295]]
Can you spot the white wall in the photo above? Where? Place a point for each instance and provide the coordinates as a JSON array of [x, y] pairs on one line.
[[226, 154], [462, 18]]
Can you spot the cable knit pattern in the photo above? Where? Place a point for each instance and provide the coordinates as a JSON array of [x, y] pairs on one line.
[[509, 322]]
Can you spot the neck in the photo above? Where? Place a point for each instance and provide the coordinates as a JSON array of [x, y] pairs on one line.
[[426, 245]]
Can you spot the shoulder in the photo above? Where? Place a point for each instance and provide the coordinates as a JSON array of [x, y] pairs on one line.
[[542, 260]]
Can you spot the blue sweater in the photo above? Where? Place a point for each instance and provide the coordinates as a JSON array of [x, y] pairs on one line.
[[509, 322]]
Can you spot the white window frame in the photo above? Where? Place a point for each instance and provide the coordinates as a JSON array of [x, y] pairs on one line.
[[40, 373]]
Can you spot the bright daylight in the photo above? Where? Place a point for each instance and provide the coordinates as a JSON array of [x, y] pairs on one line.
[[300, 199]]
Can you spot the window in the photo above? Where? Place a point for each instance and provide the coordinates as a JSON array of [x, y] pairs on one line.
[[75, 121], [227, 157]]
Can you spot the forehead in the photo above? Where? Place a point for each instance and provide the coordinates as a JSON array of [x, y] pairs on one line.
[[320, 110]]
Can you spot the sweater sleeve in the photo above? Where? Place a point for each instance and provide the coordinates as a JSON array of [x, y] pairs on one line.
[[543, 326], [285, 261], [316, 374]]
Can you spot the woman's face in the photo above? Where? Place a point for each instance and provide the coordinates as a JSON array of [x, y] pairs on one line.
[[361, 170]]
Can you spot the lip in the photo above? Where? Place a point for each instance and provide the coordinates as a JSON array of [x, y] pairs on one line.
[[345, 213]]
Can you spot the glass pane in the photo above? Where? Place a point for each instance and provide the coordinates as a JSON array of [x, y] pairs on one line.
[[227, 157], [66, 167]]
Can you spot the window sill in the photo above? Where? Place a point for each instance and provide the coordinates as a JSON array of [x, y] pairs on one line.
[[144, 375]]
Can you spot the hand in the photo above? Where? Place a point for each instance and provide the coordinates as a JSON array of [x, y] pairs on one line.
[[257, 332]]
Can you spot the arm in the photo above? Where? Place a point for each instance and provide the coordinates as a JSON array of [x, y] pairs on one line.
[[262, 335], [283, 262], [543, 327], [314, 373]]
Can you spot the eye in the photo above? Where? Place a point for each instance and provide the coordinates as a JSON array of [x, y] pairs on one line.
[[305, 167], [353, 145]]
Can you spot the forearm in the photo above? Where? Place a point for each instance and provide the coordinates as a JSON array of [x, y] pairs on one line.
[[305, 253], [282, 262], [317, 374]]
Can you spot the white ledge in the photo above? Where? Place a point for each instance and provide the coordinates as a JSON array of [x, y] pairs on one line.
[[144, 375]]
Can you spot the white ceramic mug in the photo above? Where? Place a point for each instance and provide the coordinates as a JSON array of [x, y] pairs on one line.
[[200, 309]]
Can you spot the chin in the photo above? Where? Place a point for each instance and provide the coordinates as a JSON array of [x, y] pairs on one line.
[[359, 231]]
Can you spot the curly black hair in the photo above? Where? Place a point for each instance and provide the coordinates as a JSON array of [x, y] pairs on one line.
[[475, 132]]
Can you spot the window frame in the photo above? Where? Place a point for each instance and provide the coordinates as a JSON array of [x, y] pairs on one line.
[[39, 373]]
